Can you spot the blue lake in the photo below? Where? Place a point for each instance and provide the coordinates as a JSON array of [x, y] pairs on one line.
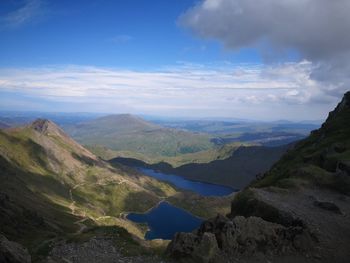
[[205, 189], [165, 220]]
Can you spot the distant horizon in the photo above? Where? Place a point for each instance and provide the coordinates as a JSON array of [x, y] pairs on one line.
[[153, 117]]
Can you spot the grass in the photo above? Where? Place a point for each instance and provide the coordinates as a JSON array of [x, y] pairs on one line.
[[204, 207], [203, 156]]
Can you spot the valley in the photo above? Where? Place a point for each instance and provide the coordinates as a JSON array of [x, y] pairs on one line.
[[144, 194], [193, 131], [70, 192]]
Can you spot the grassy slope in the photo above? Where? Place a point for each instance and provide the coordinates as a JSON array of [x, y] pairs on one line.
[[219, 153], [132, 134]]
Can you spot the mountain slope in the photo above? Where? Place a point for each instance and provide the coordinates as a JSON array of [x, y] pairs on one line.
[[129, 133], [50, 183], [237, 169], [52, 188], [296, 212]]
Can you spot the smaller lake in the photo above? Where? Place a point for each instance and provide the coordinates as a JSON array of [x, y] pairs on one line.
[[165, 220], [205, 189]]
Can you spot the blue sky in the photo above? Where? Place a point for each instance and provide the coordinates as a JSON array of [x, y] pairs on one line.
[[204, 58], [130, 34]]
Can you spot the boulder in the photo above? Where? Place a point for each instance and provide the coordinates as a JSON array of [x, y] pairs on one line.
[[12, 252], [191, 247], [239, 237]]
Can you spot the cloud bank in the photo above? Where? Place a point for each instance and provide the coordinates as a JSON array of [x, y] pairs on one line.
[[217, 90], [317, 29]]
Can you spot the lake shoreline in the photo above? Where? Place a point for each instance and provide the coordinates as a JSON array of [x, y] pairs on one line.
[[198, 187], [185, 221]]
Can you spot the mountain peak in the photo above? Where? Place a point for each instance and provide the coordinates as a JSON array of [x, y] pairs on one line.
[[121, 123], [339, 117], [43, 125], [46, 127], [123, 117], [343, 105]]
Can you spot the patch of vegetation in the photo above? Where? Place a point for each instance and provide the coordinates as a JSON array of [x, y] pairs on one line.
[[204, 207], [132, 134]]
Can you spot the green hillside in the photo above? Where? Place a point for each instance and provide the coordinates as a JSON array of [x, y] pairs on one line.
[[128, 133]]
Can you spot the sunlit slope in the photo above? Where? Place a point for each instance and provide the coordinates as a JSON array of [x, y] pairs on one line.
[[134, 135], [52, 187], [49, 182]]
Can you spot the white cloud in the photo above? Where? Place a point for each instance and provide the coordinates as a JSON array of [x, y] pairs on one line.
[[195, 90], [25, 14], [317, 29]]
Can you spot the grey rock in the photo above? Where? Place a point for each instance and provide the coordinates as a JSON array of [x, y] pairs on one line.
[[12, 252], [328, 206], [239, 237], [192, 247]]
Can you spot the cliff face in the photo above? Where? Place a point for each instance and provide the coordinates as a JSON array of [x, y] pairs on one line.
[[297, 211]]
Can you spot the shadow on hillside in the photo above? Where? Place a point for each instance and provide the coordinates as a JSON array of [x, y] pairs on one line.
[[27, 212]]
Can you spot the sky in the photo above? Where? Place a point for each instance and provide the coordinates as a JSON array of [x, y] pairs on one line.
[[261, 60]]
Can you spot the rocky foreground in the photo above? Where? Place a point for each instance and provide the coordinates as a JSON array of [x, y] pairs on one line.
[[96, 250], [307, 226]]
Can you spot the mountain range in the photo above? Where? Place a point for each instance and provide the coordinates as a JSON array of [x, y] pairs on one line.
[[56, 196]]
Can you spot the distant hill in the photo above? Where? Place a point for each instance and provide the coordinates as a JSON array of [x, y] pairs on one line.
[[270, 139], [218, 128], [4, 125], [129, 133], [21, 118], [237, 169]]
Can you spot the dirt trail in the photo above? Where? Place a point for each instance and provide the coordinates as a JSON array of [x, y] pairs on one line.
[[73, 207]]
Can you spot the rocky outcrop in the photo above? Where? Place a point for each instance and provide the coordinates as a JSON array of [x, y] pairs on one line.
[[96, 250], [238, 238], [191, 246], [12, 252]]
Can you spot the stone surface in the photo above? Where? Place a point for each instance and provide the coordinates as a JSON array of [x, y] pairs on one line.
[[12, 252], [239, 237], [95, 250], [328, 206]]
